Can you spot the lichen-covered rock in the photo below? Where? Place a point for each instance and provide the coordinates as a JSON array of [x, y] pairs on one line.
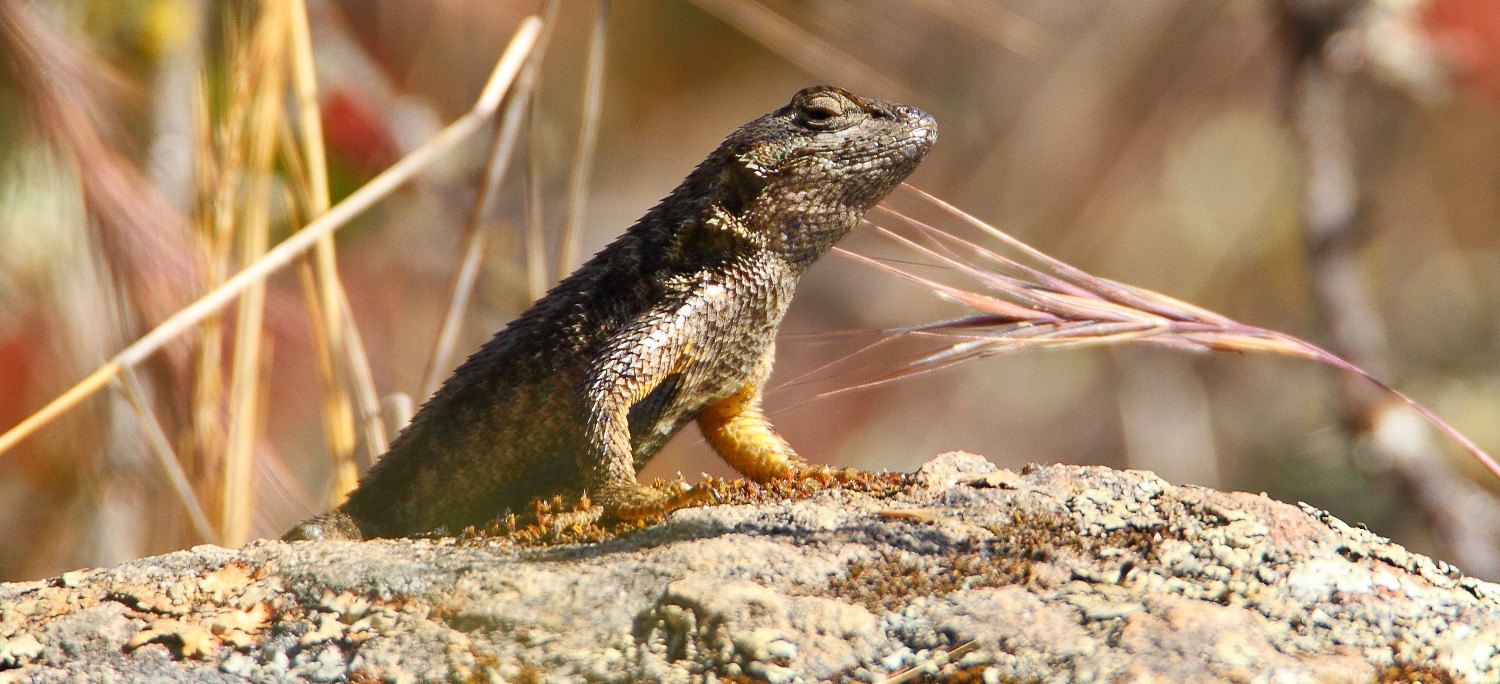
[[1053, 573]]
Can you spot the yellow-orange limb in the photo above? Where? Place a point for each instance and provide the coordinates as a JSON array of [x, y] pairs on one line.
[[739, 431]]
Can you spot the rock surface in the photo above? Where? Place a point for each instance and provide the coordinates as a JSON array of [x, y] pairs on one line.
[[1054, 573]]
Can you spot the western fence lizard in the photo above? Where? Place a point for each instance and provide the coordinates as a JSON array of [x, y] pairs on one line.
[[674, 321]]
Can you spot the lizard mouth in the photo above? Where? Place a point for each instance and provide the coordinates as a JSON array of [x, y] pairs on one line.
[[913, 144], [924, 129], [919, 134]]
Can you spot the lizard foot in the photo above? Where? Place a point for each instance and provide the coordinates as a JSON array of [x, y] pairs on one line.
[[634, 502]]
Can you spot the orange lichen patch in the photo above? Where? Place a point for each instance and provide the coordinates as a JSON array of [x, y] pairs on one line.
[[189, 639], [232, 605], [19, 650], [240, 628], [225, 582]]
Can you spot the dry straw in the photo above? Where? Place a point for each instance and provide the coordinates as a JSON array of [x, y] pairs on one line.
[[332, 306], [1052, 304]]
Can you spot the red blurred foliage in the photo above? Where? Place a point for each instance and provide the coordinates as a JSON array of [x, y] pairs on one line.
[[19, 355], [1467, 33], [357, 131]]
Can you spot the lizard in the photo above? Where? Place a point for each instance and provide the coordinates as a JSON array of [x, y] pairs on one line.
[[674, 321]]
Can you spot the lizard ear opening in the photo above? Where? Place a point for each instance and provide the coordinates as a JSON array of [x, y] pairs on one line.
[[742, 180]]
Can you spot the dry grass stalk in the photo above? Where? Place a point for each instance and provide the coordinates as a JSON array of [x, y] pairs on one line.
[[570, 243], [461, 287], [367, 400], [338, 423], [207, 435], [536, 233], [222, 155], [1055, 305], [536, 239], [502, 148], [291, 249], [325, 292], [798, 45], [267, 71], [161, 446], [338, 412]]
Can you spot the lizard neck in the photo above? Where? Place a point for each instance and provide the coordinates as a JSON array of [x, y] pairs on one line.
[[720, 210], [795, 238], [799, 233]]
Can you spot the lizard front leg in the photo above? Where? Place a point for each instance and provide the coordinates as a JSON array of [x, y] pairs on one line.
[[637, 365], [741, 434]]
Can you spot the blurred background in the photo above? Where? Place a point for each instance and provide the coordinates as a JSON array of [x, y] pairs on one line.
[[1327, 168]]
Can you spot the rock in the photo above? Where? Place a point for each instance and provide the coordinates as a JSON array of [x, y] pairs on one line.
[[1051, 573]]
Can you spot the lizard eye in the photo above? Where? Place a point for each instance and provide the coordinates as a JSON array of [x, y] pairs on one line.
[[822, 111]]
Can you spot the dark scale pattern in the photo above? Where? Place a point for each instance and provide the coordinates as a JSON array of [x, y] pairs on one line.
[[674, 321]]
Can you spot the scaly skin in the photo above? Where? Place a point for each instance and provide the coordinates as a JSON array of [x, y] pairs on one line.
[[674, 321]]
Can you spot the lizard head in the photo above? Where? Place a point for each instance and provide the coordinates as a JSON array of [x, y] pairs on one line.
[[802, 176]]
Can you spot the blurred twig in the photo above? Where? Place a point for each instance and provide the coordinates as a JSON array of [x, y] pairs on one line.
[[992, 21], [1461, 512], [141, 234], [798, 45], [461, 287], [588, 138], [502, 146], [534, 239], [171, 465], [1330, 208], [64, 89]]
